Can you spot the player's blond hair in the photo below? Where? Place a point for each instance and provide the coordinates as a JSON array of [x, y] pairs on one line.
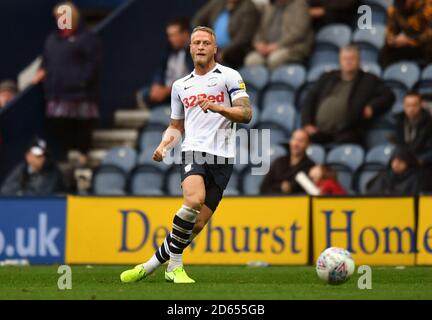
[[205, 29]]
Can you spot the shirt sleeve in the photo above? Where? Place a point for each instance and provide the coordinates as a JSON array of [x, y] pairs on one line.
[[177, 110], [235, 85]]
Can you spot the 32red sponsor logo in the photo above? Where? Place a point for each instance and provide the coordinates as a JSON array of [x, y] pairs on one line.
[[192, 100]]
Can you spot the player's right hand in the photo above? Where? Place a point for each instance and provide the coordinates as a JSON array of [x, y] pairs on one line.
[[159, 154]]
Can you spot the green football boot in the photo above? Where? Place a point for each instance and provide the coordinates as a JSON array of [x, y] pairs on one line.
[[178, 275], [133, 275]]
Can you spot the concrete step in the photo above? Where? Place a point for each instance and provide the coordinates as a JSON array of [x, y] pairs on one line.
[[95, 157], [131, 118], [106, 139]]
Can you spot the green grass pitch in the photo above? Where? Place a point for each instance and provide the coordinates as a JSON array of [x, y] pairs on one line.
[[213, 282]]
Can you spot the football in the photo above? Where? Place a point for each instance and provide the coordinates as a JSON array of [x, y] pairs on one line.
[[335, 265]]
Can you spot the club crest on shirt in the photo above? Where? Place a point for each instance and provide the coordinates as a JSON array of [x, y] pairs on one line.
[[212, 82], [188, 168]]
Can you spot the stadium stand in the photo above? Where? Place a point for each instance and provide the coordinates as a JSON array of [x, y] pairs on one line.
[[276, 98], [124, 158], [350, 156], [147, 180], [109, 180], [316, 153]]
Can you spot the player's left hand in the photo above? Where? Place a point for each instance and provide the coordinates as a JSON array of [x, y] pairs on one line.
[[205, 105]]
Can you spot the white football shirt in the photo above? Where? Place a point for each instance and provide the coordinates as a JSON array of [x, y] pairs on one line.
[[207, 132]]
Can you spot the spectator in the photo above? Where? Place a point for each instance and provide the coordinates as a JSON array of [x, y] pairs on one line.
[[414, 127], [341, 103], [36, 176], [401, 178], [235, 23], [281, 177], [408, 32], [70, 70], [8, 91], [176, 63], [325, 12], [325, 179], [285, 34]]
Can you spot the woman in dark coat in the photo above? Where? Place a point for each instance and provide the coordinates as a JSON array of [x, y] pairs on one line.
[[402, 176]]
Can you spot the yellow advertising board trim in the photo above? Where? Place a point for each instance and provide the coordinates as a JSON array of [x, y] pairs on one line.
[[128, 230], [377, 231], [424, 233]]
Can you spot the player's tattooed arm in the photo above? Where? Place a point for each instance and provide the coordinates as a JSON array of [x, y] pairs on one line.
[[240, 111], [244, 105]]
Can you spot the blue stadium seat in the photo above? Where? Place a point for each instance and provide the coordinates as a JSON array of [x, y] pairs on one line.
[[378, 10], [316, 153], [349, 155], [366, 38], [251, 183], [255, 76], [372, 67], [406, 73], [397, 107], [147, 180], [232, 188], [277, 136], [324, 56], [336, 34], [160, 115], [278, 94], [380, 154], [398, 90], [109, 180], [254, 95], [173, 181], [364, 178], [317, 70], [280, 113], [275, 152], [301, 95], [384, 4], [427, 73], [424, 86], [123, 157], [150, 137], [292, 75], [378, 136], [344, 176], [241, 163], [369, 55]]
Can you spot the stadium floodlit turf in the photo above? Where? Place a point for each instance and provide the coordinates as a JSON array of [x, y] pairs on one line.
[[102, 282]]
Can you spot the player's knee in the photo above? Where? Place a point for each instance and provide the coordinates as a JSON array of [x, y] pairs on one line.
[[194, 201]]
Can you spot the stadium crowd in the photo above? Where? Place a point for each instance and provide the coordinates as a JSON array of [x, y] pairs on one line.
[[345, 105]]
